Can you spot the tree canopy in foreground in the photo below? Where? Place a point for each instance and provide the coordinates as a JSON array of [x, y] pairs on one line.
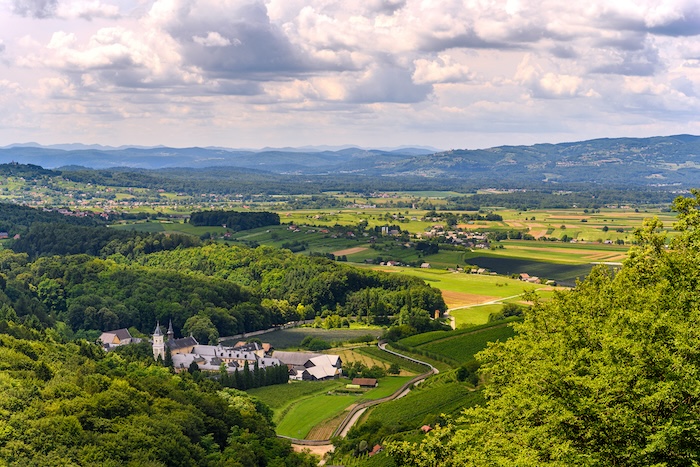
[[606, 374]]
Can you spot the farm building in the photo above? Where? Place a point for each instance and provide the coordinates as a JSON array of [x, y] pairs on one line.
[[365, 382], [306, 366]]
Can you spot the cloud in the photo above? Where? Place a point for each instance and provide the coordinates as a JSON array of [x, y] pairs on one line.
[[231, 40], [214, 39], [87, 10], [35, 8], [384, 7], [388, 84], [674, 18], [501, 65], [548, 84], [84, 9], [441, 70], [645, 62]]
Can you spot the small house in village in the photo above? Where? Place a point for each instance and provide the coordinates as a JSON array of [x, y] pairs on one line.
[[260, 350], [117, 337], [376, 450]]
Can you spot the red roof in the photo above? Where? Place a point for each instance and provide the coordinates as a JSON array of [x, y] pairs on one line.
[[376, 449]]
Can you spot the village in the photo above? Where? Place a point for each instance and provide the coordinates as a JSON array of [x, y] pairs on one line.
[[186, 354]]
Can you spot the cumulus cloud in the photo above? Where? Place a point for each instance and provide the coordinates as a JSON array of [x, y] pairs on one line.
[[385, 7], [229, 39], [644, 62], [674, 18], [449, 58], [548, 84]]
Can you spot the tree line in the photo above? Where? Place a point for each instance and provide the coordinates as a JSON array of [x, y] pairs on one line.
[[235, 220]]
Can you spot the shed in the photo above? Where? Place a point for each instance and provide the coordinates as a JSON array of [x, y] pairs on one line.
[[365, 382]]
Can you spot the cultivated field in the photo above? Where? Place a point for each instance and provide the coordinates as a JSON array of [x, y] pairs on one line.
[[459, 346], [560, 261], [423, 404]]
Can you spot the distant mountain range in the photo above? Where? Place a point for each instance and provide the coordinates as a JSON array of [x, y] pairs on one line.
[[660, 161]]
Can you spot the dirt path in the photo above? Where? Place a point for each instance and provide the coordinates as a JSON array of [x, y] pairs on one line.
[[350, 251]]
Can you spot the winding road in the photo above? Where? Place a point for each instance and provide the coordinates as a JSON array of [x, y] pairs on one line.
[[319, 446]]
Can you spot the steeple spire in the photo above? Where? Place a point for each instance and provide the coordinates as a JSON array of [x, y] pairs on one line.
[[171, 333], [157, 332]]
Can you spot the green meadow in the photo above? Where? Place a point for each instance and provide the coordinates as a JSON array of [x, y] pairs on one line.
[[306, 414], [299, 406]]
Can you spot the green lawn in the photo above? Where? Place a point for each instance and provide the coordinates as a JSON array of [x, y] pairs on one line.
[[280, 395], [441, 366], [495, 286], [458, 346], [306, 414], [387, 386], [475, 314]]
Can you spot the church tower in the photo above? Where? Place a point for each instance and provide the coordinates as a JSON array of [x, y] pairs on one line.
[[171, 333], [158, 344]]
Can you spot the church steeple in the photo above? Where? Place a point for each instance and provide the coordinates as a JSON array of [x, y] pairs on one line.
[[171, 333], [158, 344]]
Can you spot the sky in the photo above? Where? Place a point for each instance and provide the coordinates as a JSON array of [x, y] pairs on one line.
[[374, 73]]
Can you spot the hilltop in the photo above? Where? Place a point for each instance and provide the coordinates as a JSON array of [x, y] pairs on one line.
[[654, 161]]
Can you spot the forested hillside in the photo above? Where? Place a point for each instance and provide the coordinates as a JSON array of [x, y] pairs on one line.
[[72, 404], [607, 374], [64, 401], [16, 219], [48, 239], [121, 279]]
